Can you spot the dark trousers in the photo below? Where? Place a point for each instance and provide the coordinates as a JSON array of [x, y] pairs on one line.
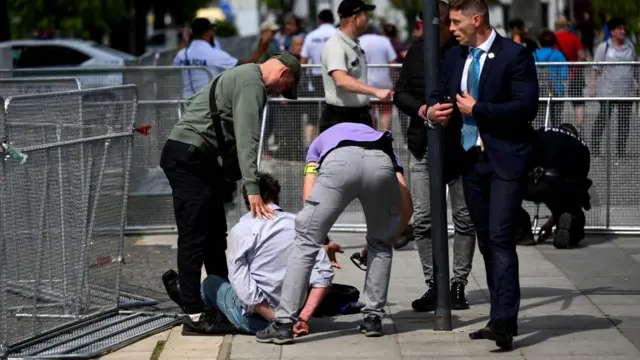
[[561, 197], [604, 120], [196, 180], [333, 115], [493, 205]]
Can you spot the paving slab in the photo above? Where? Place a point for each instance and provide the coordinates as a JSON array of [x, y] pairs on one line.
[[190, 347]]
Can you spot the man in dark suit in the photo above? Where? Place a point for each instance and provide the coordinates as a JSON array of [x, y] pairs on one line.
[[492, 85]]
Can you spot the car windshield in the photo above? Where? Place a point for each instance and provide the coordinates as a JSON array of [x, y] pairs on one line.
[[114, 52]]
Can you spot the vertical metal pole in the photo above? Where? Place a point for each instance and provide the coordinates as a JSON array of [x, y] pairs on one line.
[[608, 113], [436, 172]]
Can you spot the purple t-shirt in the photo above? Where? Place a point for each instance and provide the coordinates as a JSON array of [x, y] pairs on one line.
[[333, 136]]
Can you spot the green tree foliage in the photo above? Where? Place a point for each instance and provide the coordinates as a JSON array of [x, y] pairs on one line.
[[628, 9], [85, 18], [79, 18]]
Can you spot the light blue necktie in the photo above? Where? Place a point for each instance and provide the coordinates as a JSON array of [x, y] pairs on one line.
[[469, 128]]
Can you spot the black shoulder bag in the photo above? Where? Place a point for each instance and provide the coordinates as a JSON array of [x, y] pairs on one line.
[[226, 149]]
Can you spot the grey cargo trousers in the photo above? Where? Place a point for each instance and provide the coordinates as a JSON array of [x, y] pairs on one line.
[[346, 173]]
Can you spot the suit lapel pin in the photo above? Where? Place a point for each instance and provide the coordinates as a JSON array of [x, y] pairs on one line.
[[491, 55]]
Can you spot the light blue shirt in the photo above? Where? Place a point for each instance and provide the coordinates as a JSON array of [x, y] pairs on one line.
[[201, 53], [257, 256]]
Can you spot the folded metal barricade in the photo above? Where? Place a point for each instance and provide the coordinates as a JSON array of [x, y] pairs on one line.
[[36, 85], [65, 178]]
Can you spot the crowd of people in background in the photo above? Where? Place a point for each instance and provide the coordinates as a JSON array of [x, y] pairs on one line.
[[566, 42]]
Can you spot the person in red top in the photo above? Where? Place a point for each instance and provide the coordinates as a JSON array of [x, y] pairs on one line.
[[571, 46]]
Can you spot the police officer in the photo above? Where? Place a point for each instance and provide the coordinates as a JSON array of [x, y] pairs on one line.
[[560, 181], [200, 52], [312, 54], [344, 70], [216, 140]]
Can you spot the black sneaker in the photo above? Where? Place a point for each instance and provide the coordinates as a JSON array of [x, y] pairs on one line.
[[207, 325], [562, 238], [371, 326], [276, 333], [458, 299], [427, 302]]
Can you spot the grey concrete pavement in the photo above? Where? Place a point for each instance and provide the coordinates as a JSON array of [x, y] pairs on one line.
[[558, 320], [576, 304]]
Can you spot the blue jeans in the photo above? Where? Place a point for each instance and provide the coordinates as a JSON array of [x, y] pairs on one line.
[[218, 293]]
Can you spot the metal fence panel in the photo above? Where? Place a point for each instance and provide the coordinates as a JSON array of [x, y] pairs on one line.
[[63, 212], [13, 86]]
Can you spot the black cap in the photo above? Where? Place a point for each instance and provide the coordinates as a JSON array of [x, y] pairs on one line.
[[201, 25], [351, 7]]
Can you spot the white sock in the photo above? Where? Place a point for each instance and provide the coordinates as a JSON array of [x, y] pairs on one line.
[[195, 317]]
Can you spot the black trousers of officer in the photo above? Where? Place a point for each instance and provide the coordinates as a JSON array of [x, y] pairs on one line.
[[561, 197], [333, 115], [197, 184]]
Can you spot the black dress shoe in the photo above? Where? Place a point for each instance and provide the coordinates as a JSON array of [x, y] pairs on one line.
[[478, 334], [206, 325], [171, 286], [503, 339]]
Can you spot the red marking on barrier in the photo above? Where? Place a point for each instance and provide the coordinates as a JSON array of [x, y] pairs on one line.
[[103, 260], [143, 129]]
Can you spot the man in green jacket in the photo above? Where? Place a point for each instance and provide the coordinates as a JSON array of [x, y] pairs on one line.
[[191, 161]]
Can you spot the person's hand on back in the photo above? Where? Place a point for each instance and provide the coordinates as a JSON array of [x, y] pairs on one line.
[[259, 208]]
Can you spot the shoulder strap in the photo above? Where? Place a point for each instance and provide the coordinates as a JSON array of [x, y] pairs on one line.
[[562, 50], [215, 117]]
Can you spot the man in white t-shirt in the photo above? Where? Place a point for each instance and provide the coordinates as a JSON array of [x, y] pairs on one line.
[[312, 54], [201, 53], [379, 50]]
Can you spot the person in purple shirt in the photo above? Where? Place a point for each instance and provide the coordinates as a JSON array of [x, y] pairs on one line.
[[348, 161]]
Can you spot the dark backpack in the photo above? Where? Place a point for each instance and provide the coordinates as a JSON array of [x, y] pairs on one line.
[[341, 300]]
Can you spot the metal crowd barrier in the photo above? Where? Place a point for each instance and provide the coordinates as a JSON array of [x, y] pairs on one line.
[[285, 127], [63, 208], [160, 105]]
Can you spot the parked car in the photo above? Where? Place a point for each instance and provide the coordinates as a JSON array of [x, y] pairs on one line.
[[71, 54]]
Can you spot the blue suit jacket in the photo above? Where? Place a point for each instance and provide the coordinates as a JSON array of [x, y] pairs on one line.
[[506, 106]]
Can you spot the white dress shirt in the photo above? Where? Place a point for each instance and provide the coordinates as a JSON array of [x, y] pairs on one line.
[[485, 47]]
